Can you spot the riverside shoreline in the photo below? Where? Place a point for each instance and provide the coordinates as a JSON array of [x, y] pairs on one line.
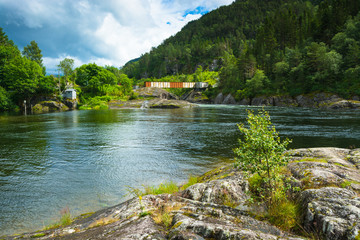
[[216, 206]]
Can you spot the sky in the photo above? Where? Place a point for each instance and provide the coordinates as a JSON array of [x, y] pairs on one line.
[[105, 32]]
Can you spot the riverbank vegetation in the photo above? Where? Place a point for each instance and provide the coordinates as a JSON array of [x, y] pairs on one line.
[[23, 79]]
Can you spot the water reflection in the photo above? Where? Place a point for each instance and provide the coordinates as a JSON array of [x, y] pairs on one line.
[[85, 159]]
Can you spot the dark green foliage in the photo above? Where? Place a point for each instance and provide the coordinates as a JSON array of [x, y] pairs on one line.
[[299, 46], [47, 85], [33, 53], [5, 101], [21, 77]]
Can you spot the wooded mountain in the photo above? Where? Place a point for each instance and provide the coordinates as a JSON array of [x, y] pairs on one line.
[[260, 47]]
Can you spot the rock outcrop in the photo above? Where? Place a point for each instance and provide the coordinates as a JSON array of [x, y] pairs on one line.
[[153, 92], [331, 200], [49, 106], [215, 208], [71, 103], [152, 103], [219, 99], [315, 100], [196, 97]]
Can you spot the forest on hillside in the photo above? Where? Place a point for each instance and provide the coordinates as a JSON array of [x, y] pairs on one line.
[[266, 47]]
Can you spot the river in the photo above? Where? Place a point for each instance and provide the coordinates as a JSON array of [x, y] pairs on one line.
[[85, 160]]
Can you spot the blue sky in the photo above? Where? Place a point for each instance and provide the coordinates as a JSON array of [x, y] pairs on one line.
[[107, 32]]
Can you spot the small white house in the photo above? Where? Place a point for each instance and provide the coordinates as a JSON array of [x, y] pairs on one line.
[[70, 94]]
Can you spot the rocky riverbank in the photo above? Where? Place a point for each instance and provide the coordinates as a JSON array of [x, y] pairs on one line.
[[314, 100], [152, 98], [216, 207]]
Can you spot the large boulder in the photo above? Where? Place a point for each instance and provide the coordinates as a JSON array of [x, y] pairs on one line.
[[317, 100], [229, 99], [71, 103], [333, 212], [331, 203], [284, 101], [197, 97], [231, 190], [262, 101], [153, 92], [219, 99], [244, 102], [344, 104], [49, 106]]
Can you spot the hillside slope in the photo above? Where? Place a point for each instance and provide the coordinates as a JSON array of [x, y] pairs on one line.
[[259, 47]]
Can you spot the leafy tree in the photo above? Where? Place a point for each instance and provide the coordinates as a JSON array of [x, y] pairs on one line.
[[33, 53], [261, 152], [230, 77], [93, 77], [256, 84], [5, 101], [46, 85], [21, 76], [66, 67]]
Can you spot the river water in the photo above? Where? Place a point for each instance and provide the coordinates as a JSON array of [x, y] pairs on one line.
[[84, 160]]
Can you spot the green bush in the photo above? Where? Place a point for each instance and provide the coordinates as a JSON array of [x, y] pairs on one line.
[[261, 154]]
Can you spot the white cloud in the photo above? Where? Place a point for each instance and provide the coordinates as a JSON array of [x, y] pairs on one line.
[[108, 32]]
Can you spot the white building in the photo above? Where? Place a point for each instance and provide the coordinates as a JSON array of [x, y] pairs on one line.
[[70, 94]]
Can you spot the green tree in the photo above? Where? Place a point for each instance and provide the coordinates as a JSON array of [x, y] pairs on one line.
[[33, 53], [21, 76], [66, 68], [46, 85], [261, 152], [93, 77], [5, 101], [255, 85]]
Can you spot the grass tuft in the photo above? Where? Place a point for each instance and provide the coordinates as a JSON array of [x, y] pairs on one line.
[[164, 216], [192, 180], [65, 219], [284, 214], [168, 187]]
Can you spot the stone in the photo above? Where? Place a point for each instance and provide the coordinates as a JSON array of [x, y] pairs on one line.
[[219, 99], [229, 99], [262, 101], [152, 103], [333, 212], [153, 92], [245, 102], [49, 106], [71, 104], [284, 101], [197, 97], [223, 191]]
